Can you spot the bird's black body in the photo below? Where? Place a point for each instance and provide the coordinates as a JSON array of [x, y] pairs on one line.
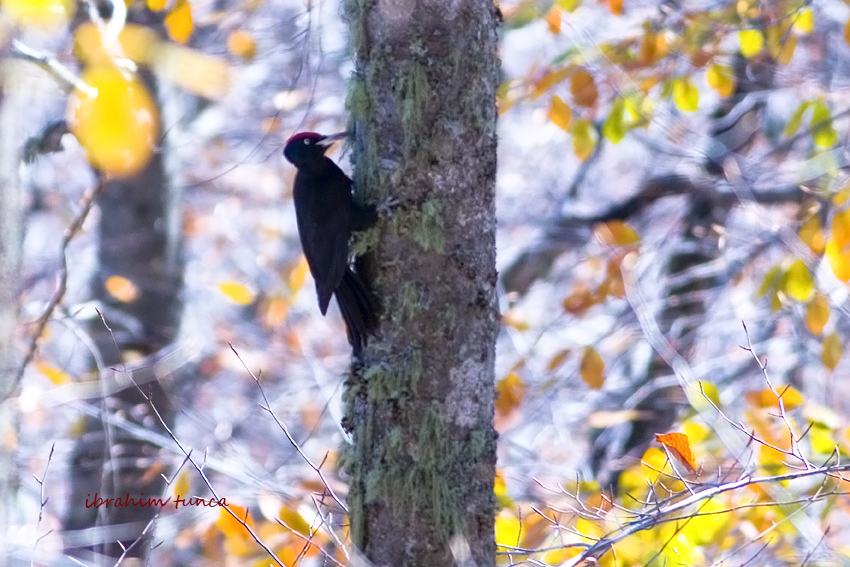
[[327, 215]]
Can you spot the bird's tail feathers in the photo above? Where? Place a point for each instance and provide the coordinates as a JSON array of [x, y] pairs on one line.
[[358, 307]]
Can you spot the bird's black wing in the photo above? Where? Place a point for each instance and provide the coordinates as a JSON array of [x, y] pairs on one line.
[[323, 211]]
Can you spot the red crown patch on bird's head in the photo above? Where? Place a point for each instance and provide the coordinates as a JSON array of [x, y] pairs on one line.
[[312, 136]]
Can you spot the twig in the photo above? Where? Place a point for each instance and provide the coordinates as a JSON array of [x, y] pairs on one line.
[[42, 503], [267, 407], [73, 229]]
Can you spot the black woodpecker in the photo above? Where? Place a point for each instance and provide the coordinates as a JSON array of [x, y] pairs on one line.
[[327, 215]]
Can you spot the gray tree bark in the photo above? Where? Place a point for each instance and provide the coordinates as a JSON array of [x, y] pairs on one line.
[[420, 399]]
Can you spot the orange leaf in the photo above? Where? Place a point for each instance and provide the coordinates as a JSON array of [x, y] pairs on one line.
[[510, 392], [579, 301], [679, 446], [592, 368], [551, 79], [616, 233], [812, 235], [121, 289], [241, 44], [817, 314], [616, 7], [583, 88], [553, 19], [791, 398], [178, 22]]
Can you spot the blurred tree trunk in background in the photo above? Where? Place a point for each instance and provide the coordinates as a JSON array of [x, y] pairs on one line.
[[11, 227], [420, 401], [139, 241]]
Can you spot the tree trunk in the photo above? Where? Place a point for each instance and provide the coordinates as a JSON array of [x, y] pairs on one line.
[[420, 399]]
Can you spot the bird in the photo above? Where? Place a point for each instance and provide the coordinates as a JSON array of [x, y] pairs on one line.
[[327, 215]]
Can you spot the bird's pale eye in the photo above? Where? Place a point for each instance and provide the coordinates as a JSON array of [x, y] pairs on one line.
[[308, 142]]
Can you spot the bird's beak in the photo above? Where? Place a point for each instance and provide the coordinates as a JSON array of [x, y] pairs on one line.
[[331, 138]]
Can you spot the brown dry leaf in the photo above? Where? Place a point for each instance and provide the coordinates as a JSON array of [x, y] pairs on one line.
[[832, 351], [679, 446], [592, 368], [557, 360], [579, 301], [583, 88]]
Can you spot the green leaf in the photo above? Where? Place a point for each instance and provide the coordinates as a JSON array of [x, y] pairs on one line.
[[613, 129]]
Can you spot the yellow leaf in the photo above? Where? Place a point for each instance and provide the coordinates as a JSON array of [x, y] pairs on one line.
[[178, 22], [799, 282], [811, 235], [553, 19], [117, 121], [839, 260], [510, 392], [53, 374], [298, 274], [181, 485], [121, 289], [772, 280], [584, 141], [508, 529], [45, 14], [722, 79], [796, 119], [241, 44], [500, 489], [804, 21], [823, 133], [615, 233], [847, 32], [614, 128], [236, 292], [817, 314], [832, 351], [685, 94], [751, 42], [680, 448], [583, 88], [568, 5], [293, 520], [709, 390], [137, 43], [196, 72], [783, 50], [560, 113], [157, 5], [592, 368]]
